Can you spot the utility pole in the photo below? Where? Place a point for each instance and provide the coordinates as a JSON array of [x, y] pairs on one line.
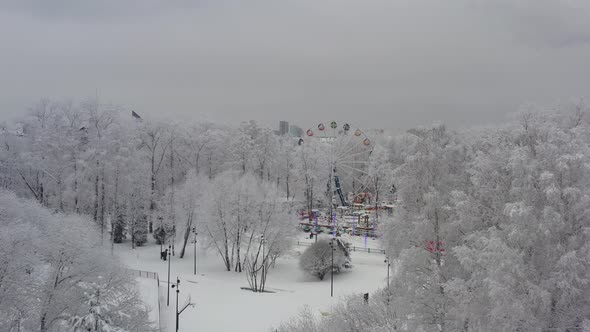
[[173, 237], [169, 259], [188, 303], [161, 236], [330, 192], [177, 293], [332, 269], [388, 282], [316, 216]]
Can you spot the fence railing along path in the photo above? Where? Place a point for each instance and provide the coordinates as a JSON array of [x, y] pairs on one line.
[[143, 274], [353, 248], [156, 277]]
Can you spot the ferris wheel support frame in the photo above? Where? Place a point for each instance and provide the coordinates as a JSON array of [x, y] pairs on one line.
[[342, 160]]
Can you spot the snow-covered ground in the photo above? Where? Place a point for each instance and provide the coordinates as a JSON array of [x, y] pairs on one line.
[[220, 303]]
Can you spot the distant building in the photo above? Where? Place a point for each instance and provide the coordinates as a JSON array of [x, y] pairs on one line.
[[288, 130], [295, 131], [283, 128]]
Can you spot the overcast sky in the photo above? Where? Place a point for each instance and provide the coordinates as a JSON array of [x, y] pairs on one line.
[[373, 63]]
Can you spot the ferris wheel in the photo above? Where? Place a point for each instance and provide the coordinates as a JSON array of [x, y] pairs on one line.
[[346, 153]]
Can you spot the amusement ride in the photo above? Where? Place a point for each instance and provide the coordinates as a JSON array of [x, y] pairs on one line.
[[352, 204]]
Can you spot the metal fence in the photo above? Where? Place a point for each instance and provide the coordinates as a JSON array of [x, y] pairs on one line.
[[143, 274], [155, 276], [353, 248]]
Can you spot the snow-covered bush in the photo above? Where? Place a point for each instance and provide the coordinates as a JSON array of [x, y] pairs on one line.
[[352, 314], [317, 259], [305, 321]]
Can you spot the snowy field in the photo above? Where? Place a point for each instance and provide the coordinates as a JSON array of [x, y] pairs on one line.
[[221, 304]]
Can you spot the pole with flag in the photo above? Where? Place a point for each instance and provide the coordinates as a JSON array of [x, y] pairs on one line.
[[135, 116]]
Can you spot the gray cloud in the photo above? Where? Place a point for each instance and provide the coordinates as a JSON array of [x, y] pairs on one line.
[[543, 23], [377, 63]]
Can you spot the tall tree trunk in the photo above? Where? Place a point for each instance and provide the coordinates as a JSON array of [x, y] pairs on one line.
[[42, 195], [96, 192], [115, 207], [152, 193], [133, 221], [76, 206], [40, 190], [172, 214], [310, 199], [376, 203], [238, 267], [61, 194], [116, 193], [39, 196], [210, 166], [102, 196], [466, 325], [187, 232], [287, 184], [43, 324], [197, 165], [227, 261]]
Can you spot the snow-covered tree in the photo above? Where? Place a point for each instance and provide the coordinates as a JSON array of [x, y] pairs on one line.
[[241, 209], [154, 143], [50, 259], [190, 206], [268, 238], [524, 216], [308, 166], [422, 230]]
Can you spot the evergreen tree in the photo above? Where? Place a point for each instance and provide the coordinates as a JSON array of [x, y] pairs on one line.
[[162, 232], [98, 318], [119, 226], [140, 229]]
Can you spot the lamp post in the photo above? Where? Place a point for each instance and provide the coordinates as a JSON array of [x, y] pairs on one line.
[[316, 216], [169, 259], [195, 251], [177, 292], [188, 303], [332, 269], [173, 237], [388, 282]]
